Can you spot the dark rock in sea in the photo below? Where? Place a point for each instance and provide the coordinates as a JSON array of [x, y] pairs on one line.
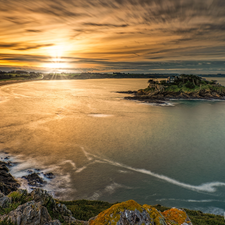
[[49, 175], [30, 171], [145, 98], [127, 92], [34, 180], [7, 181]]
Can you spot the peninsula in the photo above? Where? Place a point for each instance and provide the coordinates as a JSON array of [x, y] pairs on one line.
[[179, 87]]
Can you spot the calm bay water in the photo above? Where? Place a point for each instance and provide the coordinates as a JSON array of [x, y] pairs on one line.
[[103, 147]]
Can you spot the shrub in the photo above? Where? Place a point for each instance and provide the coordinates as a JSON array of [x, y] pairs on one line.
[[189, 85]]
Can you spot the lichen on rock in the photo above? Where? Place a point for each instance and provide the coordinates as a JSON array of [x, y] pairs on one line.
[[129, 212], [177, 216]]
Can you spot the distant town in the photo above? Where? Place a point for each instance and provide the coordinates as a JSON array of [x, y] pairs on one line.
[[25, 75]]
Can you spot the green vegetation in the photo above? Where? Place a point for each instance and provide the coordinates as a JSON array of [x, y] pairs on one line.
[[184, 84], [85, 209], [17, 198], [198, 217], [54, 215]]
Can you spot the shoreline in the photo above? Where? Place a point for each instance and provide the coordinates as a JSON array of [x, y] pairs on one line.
[[32, 178], [8, 82], [164, 100], [17, 202]]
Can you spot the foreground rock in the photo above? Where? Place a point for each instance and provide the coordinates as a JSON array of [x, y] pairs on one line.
[[36, 210], [29, 213], [39, 208], [178, 216], [57, 208], [4, 200], [7, 181], [131, 213]]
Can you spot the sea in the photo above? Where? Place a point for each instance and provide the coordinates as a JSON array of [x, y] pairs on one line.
[[102, 147]]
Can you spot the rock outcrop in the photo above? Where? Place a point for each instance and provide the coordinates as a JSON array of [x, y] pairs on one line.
[[7, 181], [178, 216], [42, 196], [28, 213], [34, 211], [131, 213], [40, 208], [4, 200]]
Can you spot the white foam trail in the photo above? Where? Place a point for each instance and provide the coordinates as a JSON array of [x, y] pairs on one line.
[[109, 189], [24, 184], [123, 171], [21, 168], [212, 210], [207, 187], [86, 154], [189, 200], [166, 104], [112, 187], [204, 200], [95, 196], [99, 115], [84, 167], [16, 94], [70, 162], [81, 169]]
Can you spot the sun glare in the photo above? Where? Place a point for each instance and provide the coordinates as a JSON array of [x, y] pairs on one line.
[[56, 52]]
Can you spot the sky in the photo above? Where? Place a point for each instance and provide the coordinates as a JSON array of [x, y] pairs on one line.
[[144, 36]]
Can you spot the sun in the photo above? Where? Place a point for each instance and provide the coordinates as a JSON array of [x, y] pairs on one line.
[[56, 52]]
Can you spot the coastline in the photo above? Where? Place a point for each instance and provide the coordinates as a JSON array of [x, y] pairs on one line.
[[7, 82], [17, 203], [159, 99], [119, 96]]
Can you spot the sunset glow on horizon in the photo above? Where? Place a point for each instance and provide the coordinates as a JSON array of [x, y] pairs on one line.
[[102, 36]]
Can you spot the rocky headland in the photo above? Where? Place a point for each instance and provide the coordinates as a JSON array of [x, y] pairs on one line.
[[19, 207], [183, 87]]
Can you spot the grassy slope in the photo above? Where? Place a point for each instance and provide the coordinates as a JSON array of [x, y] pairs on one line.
[[84, 210], [198, 217]]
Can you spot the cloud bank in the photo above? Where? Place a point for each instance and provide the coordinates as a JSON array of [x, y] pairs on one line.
[[98, 35]]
